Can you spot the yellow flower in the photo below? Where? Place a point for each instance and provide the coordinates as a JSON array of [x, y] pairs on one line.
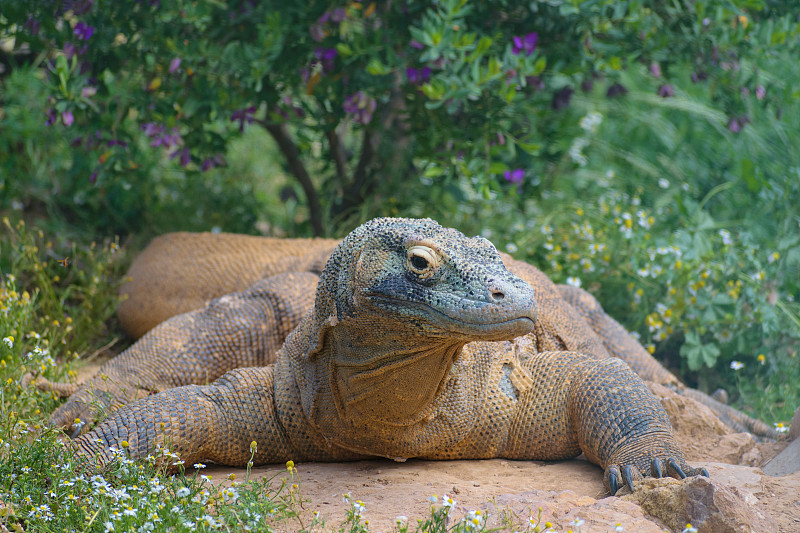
[[761, 358], [124, 444]]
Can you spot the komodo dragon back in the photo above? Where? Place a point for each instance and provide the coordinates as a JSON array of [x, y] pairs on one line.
[[181, 272]]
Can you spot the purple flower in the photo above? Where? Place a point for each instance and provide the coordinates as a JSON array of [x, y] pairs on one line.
[[212, 162], [338, 14], [93, 177], [174, 65], [244, 115], [666, 91], [326, 57], [616, 90], [32, 25], [69, 51], [88, 92], [185, 157], [52, 116], [761, 92], [737, 124], [116, 142], [416, 44], [655, 70], [561, 98], [317, 32], [360, 106], [525, 44], [514, 176], [151, 129], [418, 75], [67, 118], [83, 31]]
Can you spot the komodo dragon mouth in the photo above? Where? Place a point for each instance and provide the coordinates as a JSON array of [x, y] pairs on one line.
[[499, 322]]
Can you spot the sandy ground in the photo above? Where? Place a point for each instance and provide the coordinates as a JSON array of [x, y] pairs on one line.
[[389, 489]]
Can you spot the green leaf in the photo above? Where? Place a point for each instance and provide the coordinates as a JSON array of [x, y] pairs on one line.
[[376, 68], [344, 49], [749, 175]]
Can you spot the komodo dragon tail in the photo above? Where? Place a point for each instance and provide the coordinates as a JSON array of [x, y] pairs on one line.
[[619, 343]]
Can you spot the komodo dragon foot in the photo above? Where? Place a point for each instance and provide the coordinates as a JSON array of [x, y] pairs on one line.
[[408, 352]]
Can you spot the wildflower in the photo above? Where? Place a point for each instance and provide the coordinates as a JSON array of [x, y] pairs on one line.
[[780, 427], [663, 183], [183, 492], [129, 511], [109, 526], [448, 503], [199, 465], [514, 176], [400, 520], [174, 65], [591, 121], [773, 257], [655, 70], [525, 44], [244, 115], [205, 477], [618, 528], [761, 92], [737, 365], [761, 358], [666, 91], [726, 237], [67, 118], [576, 151], [737, 124], [9, 341], [359, 508], [360, 106], [689, 529], [346, 497], [574, 281], [418, 76], [433, 499], [561, 98], [83, 31], [326, 57]]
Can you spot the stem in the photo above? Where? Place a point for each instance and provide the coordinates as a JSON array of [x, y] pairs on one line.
[[296, 167], [338, 154]]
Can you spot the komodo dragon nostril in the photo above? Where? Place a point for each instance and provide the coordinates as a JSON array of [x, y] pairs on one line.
[[497, 295]]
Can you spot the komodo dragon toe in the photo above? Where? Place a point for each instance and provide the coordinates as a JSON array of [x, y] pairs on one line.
[[415, 341]]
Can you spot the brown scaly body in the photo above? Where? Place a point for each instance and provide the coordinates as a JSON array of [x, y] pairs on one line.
[[419, 344]]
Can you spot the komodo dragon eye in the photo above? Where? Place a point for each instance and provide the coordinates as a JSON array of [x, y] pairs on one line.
[[422, 261]]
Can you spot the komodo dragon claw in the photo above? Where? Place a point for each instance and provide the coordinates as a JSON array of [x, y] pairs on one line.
[[615, 476]]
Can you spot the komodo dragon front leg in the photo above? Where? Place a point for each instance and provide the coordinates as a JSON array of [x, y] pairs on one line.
[[233, 331], [599, 407]]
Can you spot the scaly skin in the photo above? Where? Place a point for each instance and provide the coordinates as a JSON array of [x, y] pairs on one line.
[[420, 343]]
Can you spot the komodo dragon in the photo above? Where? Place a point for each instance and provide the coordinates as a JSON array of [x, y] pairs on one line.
[[418, 342]]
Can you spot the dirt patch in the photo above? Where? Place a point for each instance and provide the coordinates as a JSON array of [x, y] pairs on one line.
[[565, 490]]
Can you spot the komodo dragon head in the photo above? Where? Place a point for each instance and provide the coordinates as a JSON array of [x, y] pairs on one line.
[[396, 303]]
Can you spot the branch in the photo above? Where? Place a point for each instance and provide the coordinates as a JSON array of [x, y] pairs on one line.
[[296, 167], [338, 155]]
